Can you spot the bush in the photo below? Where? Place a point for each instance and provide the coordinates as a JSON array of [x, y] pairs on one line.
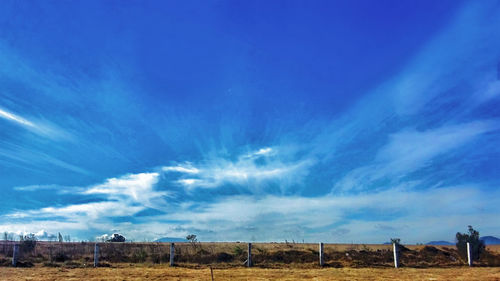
[[477, 246], [28, 243]]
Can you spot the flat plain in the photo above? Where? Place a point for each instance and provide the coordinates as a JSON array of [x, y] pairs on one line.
[[161, 272], [273, 261]]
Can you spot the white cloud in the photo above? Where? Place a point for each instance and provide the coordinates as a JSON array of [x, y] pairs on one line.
[[124, 196], [17, 119], [138, 187], [265, 151], [403, 211], [188, 169], [244, 171], [82, 212], [452, 57], [409, 150]]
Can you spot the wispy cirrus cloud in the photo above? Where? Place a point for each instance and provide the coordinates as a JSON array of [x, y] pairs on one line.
[[34, 157], [409, 150], [136, 187], [451, 58], [122, 196], [39, 127], [17, 119], [36, 187], [253, 170]]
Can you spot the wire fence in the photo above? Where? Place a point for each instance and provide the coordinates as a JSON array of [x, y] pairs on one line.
[[84, 254]]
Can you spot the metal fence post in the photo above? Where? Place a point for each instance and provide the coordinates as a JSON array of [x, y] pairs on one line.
[[15, 254], [395, 249], [172, 253], [249, 260], [469, 254], [96, 255], [321, 260]]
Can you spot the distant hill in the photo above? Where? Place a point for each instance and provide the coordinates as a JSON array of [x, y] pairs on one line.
[[439, 243], [490, 240], [170, 239]]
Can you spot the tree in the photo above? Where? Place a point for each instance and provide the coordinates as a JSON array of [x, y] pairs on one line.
[[67, 238], [396, 241], [117, 238], [192, 238], [477, 246], [5, 236], [59, 236]]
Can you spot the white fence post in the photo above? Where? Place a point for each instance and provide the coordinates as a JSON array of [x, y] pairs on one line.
[[395, 249], [96, 255], [249, 259], [172, 253], [321, 260], [15, 254], [469, 254]]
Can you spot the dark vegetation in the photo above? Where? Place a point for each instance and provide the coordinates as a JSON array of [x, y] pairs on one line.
[[115, 238], [477, 245]]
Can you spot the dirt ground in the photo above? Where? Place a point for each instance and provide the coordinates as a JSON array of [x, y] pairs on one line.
[[179, 273]]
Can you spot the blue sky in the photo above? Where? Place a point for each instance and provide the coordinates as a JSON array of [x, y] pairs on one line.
[[352, 121]]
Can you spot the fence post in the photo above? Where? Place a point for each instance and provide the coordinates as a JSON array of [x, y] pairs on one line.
[[395, 249], [172, 253], [469, 254], [249, 260], [321, 261], [96, 255], [15, 254]]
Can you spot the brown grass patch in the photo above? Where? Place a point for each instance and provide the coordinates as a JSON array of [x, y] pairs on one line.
[[125, 272]]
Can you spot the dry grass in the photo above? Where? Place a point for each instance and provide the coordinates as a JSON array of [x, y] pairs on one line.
[[232, 255], [159, 272]]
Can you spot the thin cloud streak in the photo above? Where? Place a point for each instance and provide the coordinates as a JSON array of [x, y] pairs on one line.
[[17, 119]]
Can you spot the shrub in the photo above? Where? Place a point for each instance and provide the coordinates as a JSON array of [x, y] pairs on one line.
[[477, 246], [28, 243]]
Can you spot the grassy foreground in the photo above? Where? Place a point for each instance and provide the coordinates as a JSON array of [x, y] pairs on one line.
[[160, 272]]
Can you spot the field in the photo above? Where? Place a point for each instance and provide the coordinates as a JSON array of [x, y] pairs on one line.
[[272, 261], [159, 272]]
